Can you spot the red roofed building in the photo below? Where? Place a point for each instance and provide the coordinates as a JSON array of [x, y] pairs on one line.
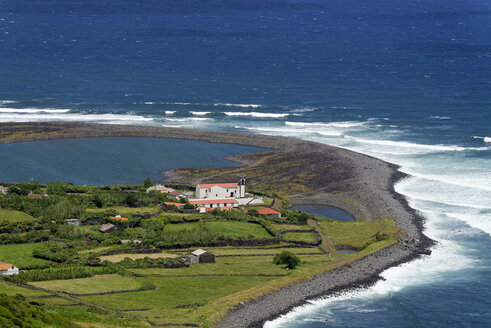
[[7, 269], [178, 205], [118, 217], [269, 212], [215, 203]]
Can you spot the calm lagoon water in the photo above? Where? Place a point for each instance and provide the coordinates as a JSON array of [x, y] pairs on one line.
[[330, 212], [102, 161]]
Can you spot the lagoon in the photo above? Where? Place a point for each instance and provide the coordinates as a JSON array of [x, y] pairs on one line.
[[330, 212], [104, 161]]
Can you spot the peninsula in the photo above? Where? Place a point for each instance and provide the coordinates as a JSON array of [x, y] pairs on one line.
[[291, 172]]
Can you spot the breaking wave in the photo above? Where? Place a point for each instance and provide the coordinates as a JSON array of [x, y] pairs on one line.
[[257, 114]]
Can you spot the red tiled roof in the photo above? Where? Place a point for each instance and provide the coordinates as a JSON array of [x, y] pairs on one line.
[[5, 266], [175, 204], [223, 185], [175, 193], [36, 195], [213, 201], [118, 218], [267, 211]]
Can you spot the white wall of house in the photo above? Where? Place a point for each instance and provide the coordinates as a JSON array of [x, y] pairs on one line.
[[10, 271], [216, 192]]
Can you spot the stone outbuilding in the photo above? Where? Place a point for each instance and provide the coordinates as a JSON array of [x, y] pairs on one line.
[[108, 227], [73, 222], [201, 256]]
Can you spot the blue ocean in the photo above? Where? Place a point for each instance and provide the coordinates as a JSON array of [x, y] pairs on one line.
[[405, 81]]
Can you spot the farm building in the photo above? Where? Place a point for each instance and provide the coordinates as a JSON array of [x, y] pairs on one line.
[[158, 187], [4, 190], [269, 212], [201, 256], [221, 190], [7, 269], [119, 218], [73, 222], [176, 195], [108, 227], [31, 195]]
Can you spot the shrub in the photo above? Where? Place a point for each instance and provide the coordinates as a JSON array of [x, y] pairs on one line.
[[286, 258]]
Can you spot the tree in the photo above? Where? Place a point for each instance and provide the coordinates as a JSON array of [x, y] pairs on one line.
[[147, 183], [131, 200], [286, 258]]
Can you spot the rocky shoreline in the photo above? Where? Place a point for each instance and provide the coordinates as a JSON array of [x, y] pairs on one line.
[[359, 184]]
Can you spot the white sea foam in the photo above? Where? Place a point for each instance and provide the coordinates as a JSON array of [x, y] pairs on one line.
[[441, 117], [485, 139], [149, 102], [169, 112], [343, 125], [32, 110], [303, 110], [200, 113], [238, 105], [431, 148], [187, 119], [290, 131], [5, 102], [257, 114]]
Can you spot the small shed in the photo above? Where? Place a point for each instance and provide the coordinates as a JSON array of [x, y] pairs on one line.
[[108, 227], [201, 256], [7, 269], [73, 222]]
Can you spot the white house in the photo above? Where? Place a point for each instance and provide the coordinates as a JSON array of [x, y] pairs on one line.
[[158, 187], [7, 269], [4, 190], [221, 190]]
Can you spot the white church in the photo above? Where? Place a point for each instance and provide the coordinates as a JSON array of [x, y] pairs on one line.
[[221, 190], [220, 195]]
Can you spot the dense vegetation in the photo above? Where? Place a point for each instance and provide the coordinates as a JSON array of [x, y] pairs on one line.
[[17, 312]]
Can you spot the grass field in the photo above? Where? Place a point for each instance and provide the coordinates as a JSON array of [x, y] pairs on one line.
[[20, 255], [173, 292], [223, 228], [286, 227], [95, 284], [358, 233], [300, 236], [11, 290], [14, 216]]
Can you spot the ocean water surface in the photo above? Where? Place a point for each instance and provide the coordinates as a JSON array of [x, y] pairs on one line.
[[405, 81]]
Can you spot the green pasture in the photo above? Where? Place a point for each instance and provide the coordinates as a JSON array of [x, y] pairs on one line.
[[20, 255], [95, 284], [223, 228], [14, 216], [300, 236]]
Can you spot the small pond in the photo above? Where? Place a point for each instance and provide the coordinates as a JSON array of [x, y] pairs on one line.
[[325, 211], [347, 251]]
